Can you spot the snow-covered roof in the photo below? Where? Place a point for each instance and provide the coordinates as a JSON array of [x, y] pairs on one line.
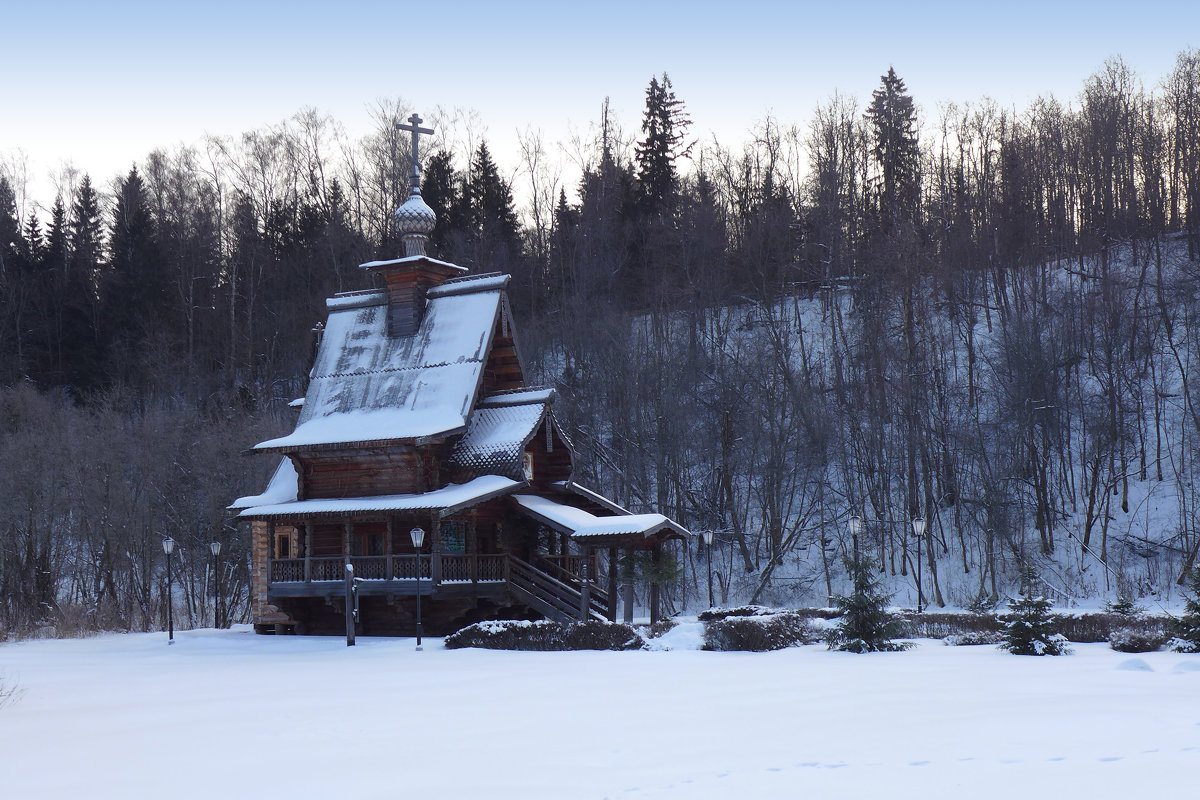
[[447, 500], [281, 489], [580, 524], [496, 436], [366, 386]]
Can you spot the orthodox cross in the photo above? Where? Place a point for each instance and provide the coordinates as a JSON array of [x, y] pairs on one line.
[[415, 128]]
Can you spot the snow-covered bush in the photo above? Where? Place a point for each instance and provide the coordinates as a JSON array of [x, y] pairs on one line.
[[1187, 627], [865, 625], [546, 635], [759, 633], [1135, 640], [738, 611], [973, 637], [1029, 629]]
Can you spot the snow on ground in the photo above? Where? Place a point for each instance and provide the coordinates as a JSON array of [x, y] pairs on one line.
[[231, 714]]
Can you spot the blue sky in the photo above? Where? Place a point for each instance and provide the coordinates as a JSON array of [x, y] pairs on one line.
[[102, 84]]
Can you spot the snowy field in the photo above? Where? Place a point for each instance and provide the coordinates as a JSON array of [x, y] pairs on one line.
[[230, 715]]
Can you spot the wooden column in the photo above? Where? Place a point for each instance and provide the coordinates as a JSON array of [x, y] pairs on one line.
[[387, 551], [307, 552], [612, 584], [585, 587], [627, 600], [656, 557], [435, 565]]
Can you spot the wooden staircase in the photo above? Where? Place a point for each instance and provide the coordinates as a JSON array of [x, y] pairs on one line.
[[551, 597]]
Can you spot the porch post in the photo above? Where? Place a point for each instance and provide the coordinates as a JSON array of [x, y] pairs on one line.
[[627, 600], [387, 551], [656, 557], [435, 563], [612, 584], [307, 552], [585, 587]]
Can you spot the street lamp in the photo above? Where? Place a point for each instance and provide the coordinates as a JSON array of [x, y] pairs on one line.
[[418, 539], [169, 547], [708, 540], [919, 529], [856, 526], [215, 547]]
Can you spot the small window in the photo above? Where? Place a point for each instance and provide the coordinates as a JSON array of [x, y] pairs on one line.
[[527, 465], [283, 545]]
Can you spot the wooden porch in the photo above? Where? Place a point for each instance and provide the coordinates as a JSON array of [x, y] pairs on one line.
[[556, 587]]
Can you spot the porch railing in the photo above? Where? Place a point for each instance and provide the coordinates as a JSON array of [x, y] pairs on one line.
[[472, 568], [332, 568]]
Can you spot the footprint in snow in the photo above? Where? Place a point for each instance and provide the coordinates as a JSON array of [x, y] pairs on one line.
[[774, 769], [1057, 758], [807, 764], [1110, 759], [918, 763]]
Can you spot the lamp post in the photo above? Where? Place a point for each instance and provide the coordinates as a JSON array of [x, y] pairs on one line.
[[169, 547], [418, 539], [708, 540], [215, 547], [919, 529], [856, 526]]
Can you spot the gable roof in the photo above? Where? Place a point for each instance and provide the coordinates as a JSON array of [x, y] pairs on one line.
[[368, 387], [498, 430]]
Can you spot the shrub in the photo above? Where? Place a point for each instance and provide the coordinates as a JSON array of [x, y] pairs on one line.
[[973, 637], [740, 611], [1133, 640], [865, 625], [545, 635], [1187, 627], [1030, 630], [758, 633]]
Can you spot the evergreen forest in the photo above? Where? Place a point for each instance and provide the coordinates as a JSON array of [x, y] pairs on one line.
[[987, 318]]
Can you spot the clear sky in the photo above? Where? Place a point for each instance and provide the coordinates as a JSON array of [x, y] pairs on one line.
[[101, 84]]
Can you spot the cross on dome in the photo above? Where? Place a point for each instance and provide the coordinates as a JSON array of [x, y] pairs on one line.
[[414, 127], [415, 220]]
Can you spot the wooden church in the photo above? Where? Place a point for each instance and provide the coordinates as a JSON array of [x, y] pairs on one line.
[[417, 416]]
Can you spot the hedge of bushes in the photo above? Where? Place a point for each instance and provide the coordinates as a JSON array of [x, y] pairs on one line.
[[759, 632], [545, 635]]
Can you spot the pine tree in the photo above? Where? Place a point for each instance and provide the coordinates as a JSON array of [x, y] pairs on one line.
[[1029, 630], [135, 300], [78, 345], [1187, 627], [864, 624], [664, 125], [495, 235], [892, 117]]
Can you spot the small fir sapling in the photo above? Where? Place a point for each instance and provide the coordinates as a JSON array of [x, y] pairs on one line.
[[865, 625], [1029, 630], [1187, 627], [1125, 606]]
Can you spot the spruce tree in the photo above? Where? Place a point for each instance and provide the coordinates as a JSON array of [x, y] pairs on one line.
[[865, 625], [664, 126], [1029, 630], [1187, 627], [892, 118]]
